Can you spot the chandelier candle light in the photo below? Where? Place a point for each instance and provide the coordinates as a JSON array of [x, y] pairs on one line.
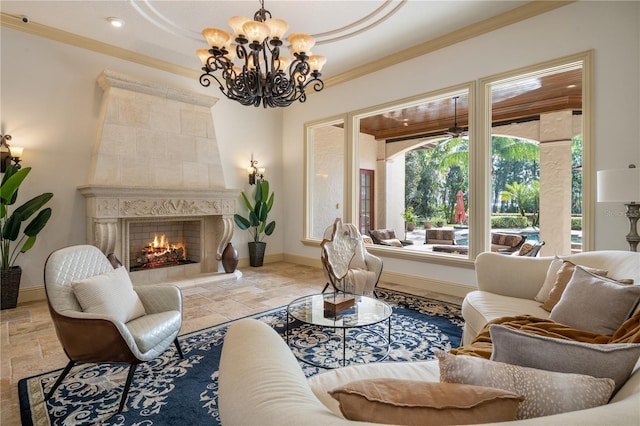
[[261, 74]]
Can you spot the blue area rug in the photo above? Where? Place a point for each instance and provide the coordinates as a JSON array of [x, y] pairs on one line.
[[174, 391]]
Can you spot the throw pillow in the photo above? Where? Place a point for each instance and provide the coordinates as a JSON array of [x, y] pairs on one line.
[[393, 242], [545, 392], [110, 294], [549, 280], [524, 249], [615, 361], [409, 402], [562, 279], [595, 303]]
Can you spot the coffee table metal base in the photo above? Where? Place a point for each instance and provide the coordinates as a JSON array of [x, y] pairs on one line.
[[344, 340]]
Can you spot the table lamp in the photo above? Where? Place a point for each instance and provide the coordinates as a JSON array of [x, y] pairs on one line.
[[623, 186]]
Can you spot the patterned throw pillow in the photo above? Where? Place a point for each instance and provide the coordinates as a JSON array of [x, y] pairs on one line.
[[545, 392], [412, 402]]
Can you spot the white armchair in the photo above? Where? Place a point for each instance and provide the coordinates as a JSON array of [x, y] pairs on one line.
[[81, 275]]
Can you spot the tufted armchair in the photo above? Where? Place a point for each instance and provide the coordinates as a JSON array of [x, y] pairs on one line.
[[346, 263], [76, 280]]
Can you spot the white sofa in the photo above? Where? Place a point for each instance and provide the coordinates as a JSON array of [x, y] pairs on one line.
[[507, 285], [261, 382]]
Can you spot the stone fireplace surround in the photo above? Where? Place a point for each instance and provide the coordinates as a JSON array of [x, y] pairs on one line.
[[156, 158]]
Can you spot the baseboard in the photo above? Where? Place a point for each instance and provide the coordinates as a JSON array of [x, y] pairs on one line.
[[438, 286], [31, 294]]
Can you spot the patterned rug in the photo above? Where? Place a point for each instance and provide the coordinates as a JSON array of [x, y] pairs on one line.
[[174, 391]]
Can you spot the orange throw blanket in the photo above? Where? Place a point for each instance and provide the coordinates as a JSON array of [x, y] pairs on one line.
[[629, 332]]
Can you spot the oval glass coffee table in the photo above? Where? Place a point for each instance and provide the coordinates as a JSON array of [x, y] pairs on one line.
[[320, 344]]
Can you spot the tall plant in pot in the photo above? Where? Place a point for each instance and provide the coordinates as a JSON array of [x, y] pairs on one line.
[[14, 239], [257, 223]]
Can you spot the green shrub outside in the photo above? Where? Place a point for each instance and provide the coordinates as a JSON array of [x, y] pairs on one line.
[[576, 223], [510, 221]]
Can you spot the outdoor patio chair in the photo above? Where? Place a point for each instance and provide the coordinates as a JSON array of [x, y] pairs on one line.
[[506, 243], [346, 263], [387, 237], [100, 317]]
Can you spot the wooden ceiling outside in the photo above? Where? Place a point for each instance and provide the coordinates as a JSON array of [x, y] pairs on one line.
[[511, 103]]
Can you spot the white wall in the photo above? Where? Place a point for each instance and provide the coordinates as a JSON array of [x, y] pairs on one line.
[[612, 29], [50, 104]]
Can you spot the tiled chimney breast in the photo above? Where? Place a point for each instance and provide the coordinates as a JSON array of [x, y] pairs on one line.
[[150, 135], [156, 157]]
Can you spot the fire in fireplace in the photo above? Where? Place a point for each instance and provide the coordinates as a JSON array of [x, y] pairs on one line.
[[160, 252], [163, 244]]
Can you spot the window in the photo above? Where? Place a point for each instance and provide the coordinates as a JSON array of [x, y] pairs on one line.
[[524, 167], [536, 162]]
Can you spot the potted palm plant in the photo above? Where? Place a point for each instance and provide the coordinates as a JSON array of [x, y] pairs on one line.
[[257, 223], [15, 240], [410, 219]]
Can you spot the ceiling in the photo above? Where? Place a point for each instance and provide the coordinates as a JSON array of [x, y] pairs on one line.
[[515, 102], [353, 35], [348, 33]]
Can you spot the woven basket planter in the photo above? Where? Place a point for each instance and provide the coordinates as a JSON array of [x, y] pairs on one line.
[[10, 285]]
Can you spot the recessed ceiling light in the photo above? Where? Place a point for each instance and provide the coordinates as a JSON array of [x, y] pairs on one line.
[[116, 22]]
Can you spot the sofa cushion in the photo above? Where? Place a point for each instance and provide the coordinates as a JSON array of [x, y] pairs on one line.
[[412, 402], [563, 276], [595, 303], [110, 294], [615, 361], [545, 392]]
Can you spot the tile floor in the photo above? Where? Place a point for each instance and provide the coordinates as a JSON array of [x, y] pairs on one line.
[[29, 344]]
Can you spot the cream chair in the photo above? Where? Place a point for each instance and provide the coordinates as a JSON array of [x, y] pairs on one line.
[[346, 263], [81, 276]]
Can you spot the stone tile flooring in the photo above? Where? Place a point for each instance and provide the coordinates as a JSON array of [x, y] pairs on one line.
[[30, 346]]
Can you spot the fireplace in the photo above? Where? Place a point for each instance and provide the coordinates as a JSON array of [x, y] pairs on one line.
[[156, 170], [162, 244]]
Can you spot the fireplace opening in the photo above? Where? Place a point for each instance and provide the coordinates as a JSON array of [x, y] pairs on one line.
[[163, 244]]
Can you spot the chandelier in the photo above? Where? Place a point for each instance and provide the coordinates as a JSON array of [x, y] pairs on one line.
[[260, 74]]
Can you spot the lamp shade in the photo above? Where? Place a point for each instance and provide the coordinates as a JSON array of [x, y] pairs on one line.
[[216, 37], [619, 185], [16, 151], [301, 43]]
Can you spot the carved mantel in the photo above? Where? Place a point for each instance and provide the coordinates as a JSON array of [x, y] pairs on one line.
[[109, 208]]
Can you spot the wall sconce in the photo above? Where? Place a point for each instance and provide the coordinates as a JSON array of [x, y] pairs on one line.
[[255, 172], [9, 154], [623, 186]]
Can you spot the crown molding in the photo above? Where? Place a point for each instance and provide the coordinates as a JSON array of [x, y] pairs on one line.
[[513, 16], [518, 14], [15, 22]]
